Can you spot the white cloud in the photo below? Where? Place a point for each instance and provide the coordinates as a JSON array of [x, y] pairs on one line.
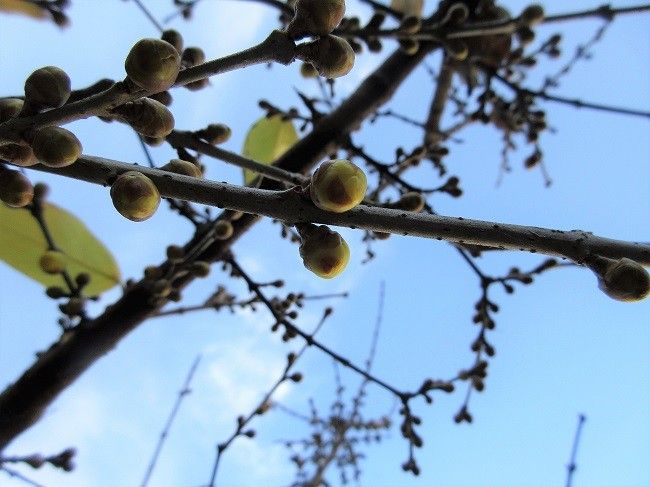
[[241, 372]]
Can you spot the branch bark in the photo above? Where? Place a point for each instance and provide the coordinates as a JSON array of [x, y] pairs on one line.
[[23, 402], [291, 206]]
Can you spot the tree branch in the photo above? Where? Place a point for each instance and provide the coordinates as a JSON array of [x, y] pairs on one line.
[[24, 401], [277, 47], [292, 206]]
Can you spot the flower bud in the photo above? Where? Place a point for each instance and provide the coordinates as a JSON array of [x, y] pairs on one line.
[[323, 251], [175, 253], [457, 49], [174, 38], [9, 108], [135, 196], [47, 87], [56, 146], [200, 268], [410, 24], [41, 191], [223, 230], [532, 15], [15, 189], [307, 70], [147, 117], [52, 262], [55, 292], [409, 46], [215, 133], [526, 35], [338, 186], [186, 168], [18, 154], [332, 56], [410, 201], [316, 17], [623, 279], [153, 64], [192, 56]]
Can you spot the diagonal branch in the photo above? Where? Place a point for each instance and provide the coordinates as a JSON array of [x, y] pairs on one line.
[[23, 402]]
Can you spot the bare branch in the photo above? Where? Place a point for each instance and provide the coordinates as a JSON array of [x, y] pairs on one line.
[[292, 207]]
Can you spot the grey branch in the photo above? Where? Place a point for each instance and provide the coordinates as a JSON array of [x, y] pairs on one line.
[[292, 206]]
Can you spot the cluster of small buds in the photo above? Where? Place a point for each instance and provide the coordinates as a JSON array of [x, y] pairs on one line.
[[45, 88], [63, 460], [407, 429]]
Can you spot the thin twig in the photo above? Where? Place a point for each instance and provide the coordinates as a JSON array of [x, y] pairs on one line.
[[575, 102], [264, 403], [189, 140], [149, 15], [20, 476], [571, 467], [604, 11], [308, 338], [185, 390]]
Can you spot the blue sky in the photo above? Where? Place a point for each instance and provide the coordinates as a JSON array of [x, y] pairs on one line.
[[563, 347]]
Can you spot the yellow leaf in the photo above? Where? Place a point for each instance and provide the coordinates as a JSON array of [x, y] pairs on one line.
[[408, 7], [23, 7], [22, 244], [267, 140]]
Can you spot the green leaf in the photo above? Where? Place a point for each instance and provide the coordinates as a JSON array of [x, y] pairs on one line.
[[22, 244], [267, 139]]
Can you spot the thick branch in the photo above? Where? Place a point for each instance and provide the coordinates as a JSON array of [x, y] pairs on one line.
[[23, 402], [292, 206]]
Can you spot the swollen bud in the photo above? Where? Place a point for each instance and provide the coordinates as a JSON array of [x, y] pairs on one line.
[[338, 186], [18, 154], [316, 17], [223, 230], [215, 133], [200, 268], [135, 196], [193, 56], [153, 64], [532, 15], [457, 49], [52, 262], [323, 251], [15, 189], [307, 70], [411, 201], [147, 117], [623, 279], [174, 38], [9, 108], [47, 87], [56, 147], [332, 56], [186, 168]]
